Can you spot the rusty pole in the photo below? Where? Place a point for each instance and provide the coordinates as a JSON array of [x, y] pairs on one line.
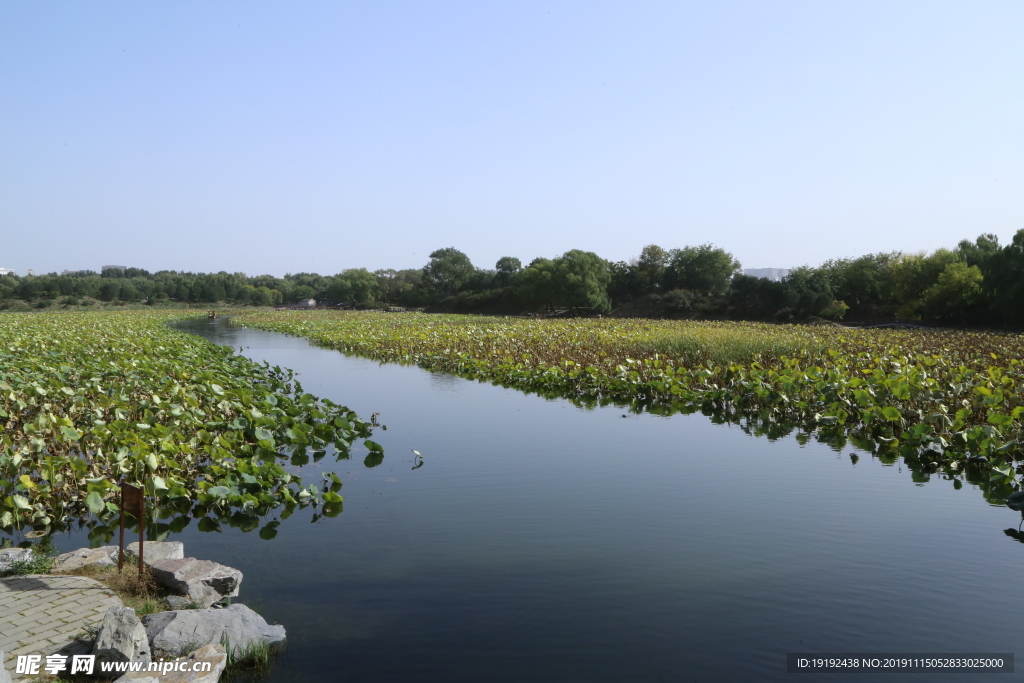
[[120, 554], [133, 501]]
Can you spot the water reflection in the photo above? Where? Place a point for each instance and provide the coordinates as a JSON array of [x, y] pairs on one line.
[[922, 463], [547, 543], [444, 381]]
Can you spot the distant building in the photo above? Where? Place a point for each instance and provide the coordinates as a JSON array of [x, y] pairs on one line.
[[306, 303], [71, 272], [31, 272], [774, 274], [121, 268], [8, 271]]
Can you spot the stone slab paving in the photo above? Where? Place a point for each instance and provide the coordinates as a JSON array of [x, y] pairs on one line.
[[42, 614]]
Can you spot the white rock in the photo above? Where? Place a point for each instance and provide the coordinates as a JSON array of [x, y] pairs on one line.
[[154, 551], [76, 559], [11, 555], [171, 632], [204, 582], [179, 602], [214, 654], [5, 676], [121, 638]]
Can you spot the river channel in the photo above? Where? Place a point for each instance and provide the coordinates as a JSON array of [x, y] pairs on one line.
[[539, 541]]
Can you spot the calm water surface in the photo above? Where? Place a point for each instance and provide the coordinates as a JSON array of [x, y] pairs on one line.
[[543, 542]]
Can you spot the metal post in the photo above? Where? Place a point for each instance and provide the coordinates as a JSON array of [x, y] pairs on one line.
[[142, 529], [133, 501], [120, 555]]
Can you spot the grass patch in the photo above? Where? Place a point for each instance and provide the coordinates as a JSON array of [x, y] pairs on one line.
[[188, 648], [693, 344], [248, 660], [89, 633], [37, 564], [140, 592]]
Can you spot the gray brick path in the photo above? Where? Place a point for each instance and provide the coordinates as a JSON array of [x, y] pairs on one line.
[[42, 614]]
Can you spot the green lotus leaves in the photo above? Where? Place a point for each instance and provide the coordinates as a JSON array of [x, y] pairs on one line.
[[1000, 419], [893, 392], [95, 502], [71, 434], [90, 399], [891, 414]]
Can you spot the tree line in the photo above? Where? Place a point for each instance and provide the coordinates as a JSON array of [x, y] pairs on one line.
[[979, 282]]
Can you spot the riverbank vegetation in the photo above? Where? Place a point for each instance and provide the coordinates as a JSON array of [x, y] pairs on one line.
[[89, 399], [949, 401], [978, 283]]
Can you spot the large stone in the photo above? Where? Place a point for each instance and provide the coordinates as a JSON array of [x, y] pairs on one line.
[[9, 556], [181, 670], [237, 625], [154, 551], [83, 557], [121, 638], [204, 582], [179, 602]]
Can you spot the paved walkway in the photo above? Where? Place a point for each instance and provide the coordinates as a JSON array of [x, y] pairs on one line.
[[42, 614]]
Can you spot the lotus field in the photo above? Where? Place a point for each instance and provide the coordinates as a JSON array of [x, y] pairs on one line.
[[947, 401], [90, 399]]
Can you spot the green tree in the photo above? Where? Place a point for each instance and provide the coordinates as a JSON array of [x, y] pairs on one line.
[[758, 298], [1005, 279], [914, 274], [650, 268], [448, 271], [408, 289], [506, 269], [110, 289], [265, 296], [387, 283], [956, 290], [706, 268], [865, 283], [808, 292], [354, 285], [537, 285], [581, 280], [625, 282], [8, 286], [981, 251]]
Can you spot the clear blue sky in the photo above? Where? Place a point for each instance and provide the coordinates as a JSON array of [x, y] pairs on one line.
[[285, 137]]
